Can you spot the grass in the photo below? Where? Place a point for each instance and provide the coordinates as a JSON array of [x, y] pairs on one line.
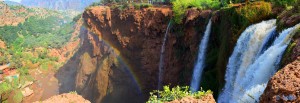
[[170, 94]]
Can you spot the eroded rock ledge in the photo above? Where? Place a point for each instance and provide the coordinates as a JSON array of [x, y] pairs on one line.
[[65, 98], [284, 85]]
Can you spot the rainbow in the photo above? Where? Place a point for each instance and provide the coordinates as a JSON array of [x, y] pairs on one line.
[[128, 66]]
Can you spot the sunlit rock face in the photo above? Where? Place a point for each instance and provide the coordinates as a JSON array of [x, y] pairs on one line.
[[59, 4]]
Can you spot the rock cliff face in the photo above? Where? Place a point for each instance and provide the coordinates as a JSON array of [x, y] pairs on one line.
[[119, 57], [135, 38], [96, 72], [284, 87]]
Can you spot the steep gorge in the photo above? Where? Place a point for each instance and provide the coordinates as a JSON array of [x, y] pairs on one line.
[[118, 60], [126, 45]]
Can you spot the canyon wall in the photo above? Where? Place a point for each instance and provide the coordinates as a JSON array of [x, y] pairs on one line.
[[127, 44], [119, 56], [137, 36]]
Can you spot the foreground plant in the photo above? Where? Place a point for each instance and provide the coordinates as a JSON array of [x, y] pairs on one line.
[[170, 94]]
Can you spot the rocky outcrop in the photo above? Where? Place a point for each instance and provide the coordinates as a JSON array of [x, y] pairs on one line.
[[205, 99], [284, 87], [293, 50], [65, 98], [289, 18]]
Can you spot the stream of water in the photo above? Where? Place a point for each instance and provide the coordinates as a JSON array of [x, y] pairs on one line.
[[201, 59]]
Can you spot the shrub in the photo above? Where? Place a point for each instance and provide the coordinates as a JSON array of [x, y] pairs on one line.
[[175, 93], [284, 3], [73, 92], [255, 11], [141, 5], [5, 87], [18, 97], [180, 7]]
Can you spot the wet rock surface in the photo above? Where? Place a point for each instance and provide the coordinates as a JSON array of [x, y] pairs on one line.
[[284, 87]]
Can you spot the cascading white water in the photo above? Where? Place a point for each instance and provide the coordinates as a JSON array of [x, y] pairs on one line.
[[161, 59], [264, 67], [246, 78], [255, 32], [201, 59]]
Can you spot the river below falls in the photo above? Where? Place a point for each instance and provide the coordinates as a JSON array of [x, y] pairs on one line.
[[45, 85]]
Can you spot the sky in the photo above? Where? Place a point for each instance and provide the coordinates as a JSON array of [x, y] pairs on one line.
[[12, 0]]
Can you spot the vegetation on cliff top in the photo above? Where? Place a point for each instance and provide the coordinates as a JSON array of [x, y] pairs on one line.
[[170, 94], [181, 6]]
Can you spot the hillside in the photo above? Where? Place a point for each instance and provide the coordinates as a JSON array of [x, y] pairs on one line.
[[136, 51], [35, 43]]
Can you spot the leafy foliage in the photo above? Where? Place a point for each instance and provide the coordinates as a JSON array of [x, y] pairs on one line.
[[5, 87], [175, 93], [284, 2], [18, 97], [255, 11], [141, 5], [180, 7], [73, 92], [38, 32]]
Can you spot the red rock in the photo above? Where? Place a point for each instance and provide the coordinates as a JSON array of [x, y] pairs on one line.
[[284, 85], [205, 99], [65, 98]]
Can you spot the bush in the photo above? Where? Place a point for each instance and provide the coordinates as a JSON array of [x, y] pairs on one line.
[[18, 97], [180, 7], [175, 93], [141, 5], [284, 3], [255, 11], [5, 87]]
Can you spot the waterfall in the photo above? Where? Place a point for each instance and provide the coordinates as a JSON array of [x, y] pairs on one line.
[[253, 62], [201, 59], [161, 59]]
